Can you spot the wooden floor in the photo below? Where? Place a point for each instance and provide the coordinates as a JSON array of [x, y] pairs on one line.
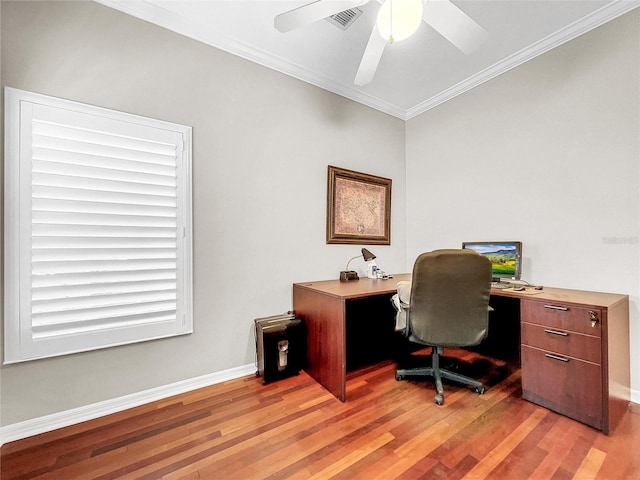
[[294, 429]]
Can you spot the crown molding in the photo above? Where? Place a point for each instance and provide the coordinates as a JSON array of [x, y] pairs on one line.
[[594, 20], [151, 12]]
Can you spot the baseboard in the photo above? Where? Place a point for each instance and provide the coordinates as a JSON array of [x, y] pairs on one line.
[[35, 426], [635, 396]]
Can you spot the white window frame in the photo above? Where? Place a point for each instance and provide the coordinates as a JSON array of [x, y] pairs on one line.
[[23, 341]]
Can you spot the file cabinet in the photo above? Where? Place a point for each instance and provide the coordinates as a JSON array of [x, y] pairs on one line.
[[567, 365]]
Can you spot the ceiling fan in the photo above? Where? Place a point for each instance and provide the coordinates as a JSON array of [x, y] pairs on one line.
[[396, 20]]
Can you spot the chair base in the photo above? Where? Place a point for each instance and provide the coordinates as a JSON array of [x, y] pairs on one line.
[[438, 374]]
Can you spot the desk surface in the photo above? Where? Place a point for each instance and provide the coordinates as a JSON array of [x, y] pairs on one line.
[[366, 287]]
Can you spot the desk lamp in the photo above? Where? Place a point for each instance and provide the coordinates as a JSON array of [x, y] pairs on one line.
[[371, 263], [347, 275]]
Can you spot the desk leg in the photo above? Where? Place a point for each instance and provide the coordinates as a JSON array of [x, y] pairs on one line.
[[326, 351]]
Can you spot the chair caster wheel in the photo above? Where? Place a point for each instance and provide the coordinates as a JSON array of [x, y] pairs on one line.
[[480, 390], [439, 399], [398, 377]]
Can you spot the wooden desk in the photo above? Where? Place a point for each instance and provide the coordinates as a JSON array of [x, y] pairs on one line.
[[586, 368], [323, 307]]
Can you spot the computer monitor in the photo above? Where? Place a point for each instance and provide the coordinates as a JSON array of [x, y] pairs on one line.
[[506, 258]]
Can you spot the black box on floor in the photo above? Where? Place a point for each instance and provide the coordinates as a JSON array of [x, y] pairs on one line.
[[281, 347]]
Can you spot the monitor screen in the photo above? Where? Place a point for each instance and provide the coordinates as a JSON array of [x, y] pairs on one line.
[[505, 257]]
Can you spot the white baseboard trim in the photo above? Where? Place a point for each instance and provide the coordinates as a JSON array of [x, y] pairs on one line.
[[35, 426], [635, 396]]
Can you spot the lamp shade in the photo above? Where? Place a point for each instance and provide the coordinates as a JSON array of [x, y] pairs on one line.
[[367, 255]]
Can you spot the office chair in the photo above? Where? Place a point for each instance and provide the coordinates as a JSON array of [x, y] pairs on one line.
[[448, 307]]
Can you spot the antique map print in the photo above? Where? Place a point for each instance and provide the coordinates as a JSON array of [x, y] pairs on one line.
[[359, 208]]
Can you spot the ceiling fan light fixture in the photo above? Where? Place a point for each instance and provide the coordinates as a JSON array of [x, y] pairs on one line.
[[399, 19]]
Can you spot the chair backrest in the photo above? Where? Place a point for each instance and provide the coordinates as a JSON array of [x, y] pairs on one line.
[[450, 298]]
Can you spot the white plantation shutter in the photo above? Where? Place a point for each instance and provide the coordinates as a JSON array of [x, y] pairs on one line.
[[97, 228]]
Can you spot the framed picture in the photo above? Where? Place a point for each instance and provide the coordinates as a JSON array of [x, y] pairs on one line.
[[358, 208]]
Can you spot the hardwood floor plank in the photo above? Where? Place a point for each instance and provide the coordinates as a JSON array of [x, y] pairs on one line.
[[251, 445], [421, 467], [590, 465], [311, 441], [625, 438], [524, 459], [456, 473], [487, 430], [360, 449], [452, 423], [334, 436], [244, 440], [581, 445], [498, 454], [557, 443], [294, 429]]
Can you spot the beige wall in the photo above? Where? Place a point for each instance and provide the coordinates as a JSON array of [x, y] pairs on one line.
[[548, 154], [262, 142]]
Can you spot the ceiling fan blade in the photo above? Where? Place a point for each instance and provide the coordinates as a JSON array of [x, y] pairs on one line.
[[313, 12], [454, 25], [370, 58]]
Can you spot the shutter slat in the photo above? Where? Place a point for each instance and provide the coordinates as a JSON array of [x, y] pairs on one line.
[[71, 132], [165, 167], [88, 290], [89, 254], [86, 148], [122, 321], [101, 278], [96, 302], [60, 168], [98, 184], [75, 206], [104, 220], [48, 230], [115, 243], [99, 266], [101, 314], [79, 193]]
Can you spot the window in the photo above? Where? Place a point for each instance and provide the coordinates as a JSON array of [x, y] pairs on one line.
[[97, 227]]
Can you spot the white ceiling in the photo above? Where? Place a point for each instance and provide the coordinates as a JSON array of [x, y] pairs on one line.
[[413, 75]]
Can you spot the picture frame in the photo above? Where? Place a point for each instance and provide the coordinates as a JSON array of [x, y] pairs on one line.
[[358, 208]]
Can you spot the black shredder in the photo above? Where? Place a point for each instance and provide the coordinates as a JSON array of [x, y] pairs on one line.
[[281, 346]]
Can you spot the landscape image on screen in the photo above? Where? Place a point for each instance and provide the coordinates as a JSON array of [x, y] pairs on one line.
[[503, 258]]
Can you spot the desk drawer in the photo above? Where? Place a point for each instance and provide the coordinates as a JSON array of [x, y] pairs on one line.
[[577, 345], [566, 385], [562, 317]]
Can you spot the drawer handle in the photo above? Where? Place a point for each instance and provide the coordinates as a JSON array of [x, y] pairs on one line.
[[555, 332], [555, 307], [556, 357]]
